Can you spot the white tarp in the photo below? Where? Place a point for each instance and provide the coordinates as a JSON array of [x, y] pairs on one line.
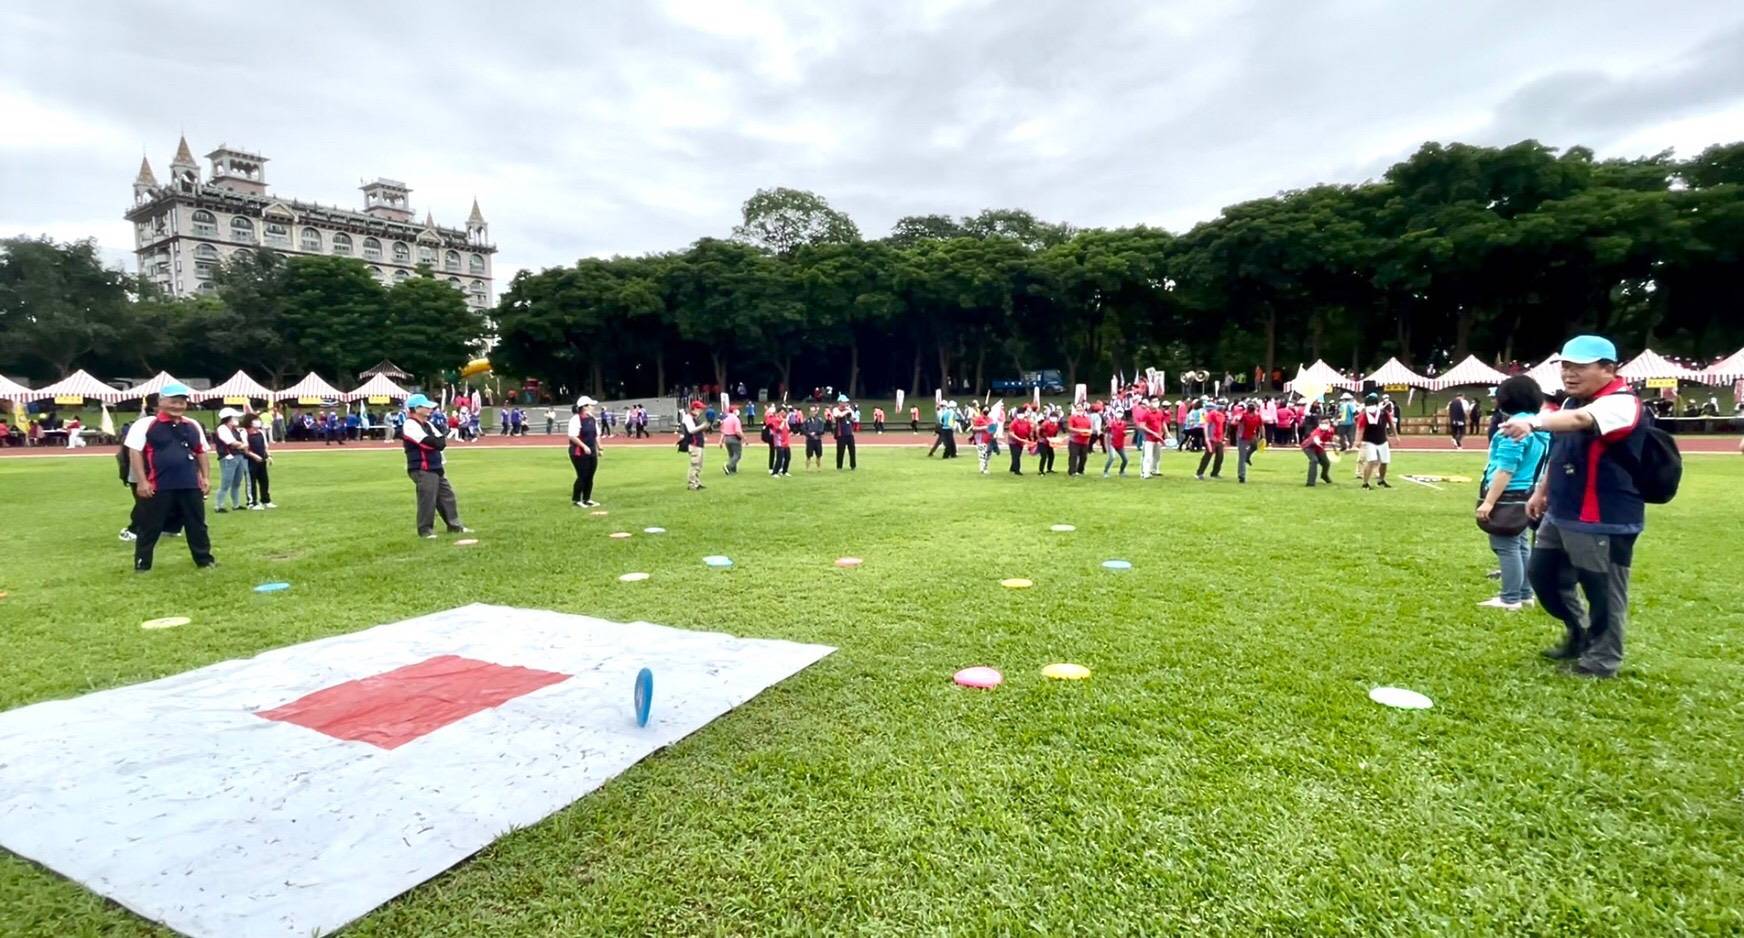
[[184, 801]]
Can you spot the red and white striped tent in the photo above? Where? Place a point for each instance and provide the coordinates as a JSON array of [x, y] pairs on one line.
[[11, 390], [1729, 369], [1650, 364], [1468, 372], [78, 384], [1395, 372], [237, 385], [378, 385], [146, 389], [1548, 374], [312, 386]]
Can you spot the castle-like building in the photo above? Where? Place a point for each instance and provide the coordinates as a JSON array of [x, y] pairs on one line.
[[183, 230]]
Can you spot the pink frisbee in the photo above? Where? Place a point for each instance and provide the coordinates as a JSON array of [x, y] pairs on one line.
[[980, 677], [847, 562]]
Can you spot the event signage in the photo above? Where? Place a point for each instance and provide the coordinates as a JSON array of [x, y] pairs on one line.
[[1397, 387], [1662, 382], [380, 399], [73, 399], [309, 401], [241, 401]]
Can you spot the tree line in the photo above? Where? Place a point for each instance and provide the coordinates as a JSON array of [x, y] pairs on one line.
[[1503, 251]]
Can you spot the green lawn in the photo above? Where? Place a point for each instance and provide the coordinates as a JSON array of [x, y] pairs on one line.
[[1222, 772]]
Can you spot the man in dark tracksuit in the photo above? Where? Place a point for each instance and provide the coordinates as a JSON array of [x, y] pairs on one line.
[[814, 439], [168, 458], [583, 452], [844, 418], [424, 445]]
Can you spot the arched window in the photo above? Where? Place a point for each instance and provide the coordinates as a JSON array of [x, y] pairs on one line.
[[342, 244], [475, 263], [241, 229], [205, 224], [401, 275], [241, 254], [402, 254], [206, 252], [477, 288], [278, 233], [451, 261], [205, 261], [311, 240], [377, 273], [454, 282], [426, 255], [371, 249]]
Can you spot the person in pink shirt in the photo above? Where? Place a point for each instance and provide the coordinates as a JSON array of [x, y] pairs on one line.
[[732, 439], [1269, 417], [1286, 420]]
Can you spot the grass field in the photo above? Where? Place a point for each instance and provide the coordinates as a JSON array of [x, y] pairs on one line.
[[1222, 772]]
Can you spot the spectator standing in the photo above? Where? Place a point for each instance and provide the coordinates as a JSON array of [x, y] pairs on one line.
[[583, 452], [1509, 476], [168, 462], [695, 432], [231, 471], [258, 451], [844, 429]]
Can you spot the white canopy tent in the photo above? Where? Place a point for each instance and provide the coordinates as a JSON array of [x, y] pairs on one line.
[[1468, 372], [378, 385], [13, 391], [79, 384], [1313, 380], [1729, 369], [1548, 374], [1650, 364], [237, 385], [312, 386], [148, 388], [1395, 372]]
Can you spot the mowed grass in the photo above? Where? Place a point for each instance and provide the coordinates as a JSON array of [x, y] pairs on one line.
[[1223, 771]]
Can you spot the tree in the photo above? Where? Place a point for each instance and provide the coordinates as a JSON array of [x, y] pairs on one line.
[[780, 220], [332, 314], [58, 305], [913, 229], [429, 327]]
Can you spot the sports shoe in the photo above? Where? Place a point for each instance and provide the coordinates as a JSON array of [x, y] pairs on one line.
[[428, 537], [1497, 602], [220, 510], [1383, 484], [580, 504], [127, 535], [1585, 670], [257, 508], [1367, 487], [269, 505], [1567, 651], [1529, 601]]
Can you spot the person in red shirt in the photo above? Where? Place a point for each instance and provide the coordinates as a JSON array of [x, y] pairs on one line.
[[1247, 438], [1314, 447], [1154, 431], [1078, 441], [978, 433], [772, 418], [781, 435], [1216, 432], [1046, 437], [877, 420], [1114, 441], [1019, 434]]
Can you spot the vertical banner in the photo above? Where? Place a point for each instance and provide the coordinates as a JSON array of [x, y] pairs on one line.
[[1080, 394], [899, 396], [1037, 397], [725, 402], [1113, 387], [939, 398]]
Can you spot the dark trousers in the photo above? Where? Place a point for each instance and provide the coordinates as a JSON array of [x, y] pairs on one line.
[[172, 525], [1458, 432], [1045, 458], [259, 490], [1076, 455], [1214, 458], [845, 444], [435, 496], [1016, 459], [585, 467], [814, 446], [938, 441], [950, 444], [1566, 564], [1319, 467], [783, 458], [154, 514], [771, 457]]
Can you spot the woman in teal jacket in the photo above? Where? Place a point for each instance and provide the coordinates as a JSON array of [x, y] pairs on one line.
[[1510, 473]]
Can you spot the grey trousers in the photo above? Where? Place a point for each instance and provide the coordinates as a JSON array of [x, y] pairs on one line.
[[734, 449], [1244, 450], [435, 496], [1566, 564]]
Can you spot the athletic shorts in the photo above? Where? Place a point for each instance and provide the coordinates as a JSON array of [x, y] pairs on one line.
[[1378, 452]]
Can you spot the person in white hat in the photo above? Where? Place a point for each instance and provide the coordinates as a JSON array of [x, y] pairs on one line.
[[584, 451], [232, 470]]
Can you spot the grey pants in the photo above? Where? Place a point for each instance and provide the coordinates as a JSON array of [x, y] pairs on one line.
[[232, 479], [1566, 564], [1244, 450], [1319, 467], [435, 496], [734, 448]]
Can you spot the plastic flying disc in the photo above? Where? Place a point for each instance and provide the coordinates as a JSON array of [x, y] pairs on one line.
[[466, 542], [632, 578], [717, 560], [167, 622], [644, 695], [982, 678], [847, 562], [1016, 583], [653, 530], [272, 587], [1117, 564], [1400, 698], [1334, 456], [1065, 671], [620, 535], [1062, 528], [599, 514]]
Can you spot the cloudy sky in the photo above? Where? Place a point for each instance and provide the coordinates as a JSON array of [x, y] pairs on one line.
[[599, 129]]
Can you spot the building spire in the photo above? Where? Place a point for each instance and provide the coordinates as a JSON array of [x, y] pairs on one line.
[[145, 177], [476, 218], [184, 156], [429, 219]]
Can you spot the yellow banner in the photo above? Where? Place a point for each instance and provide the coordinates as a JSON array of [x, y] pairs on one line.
[[1662, 382], [73, 399], [1393, 388], [380, 399], [237, 400]]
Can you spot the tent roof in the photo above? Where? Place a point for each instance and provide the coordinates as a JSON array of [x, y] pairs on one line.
[[11, 390], [1322, 374], [311, 386], [1470, 371], [1650, 364], [383, 367], [1730, 369], [81, 383], [1395, 372], [237, 385], [378, 386], [150, 387], [1548, 374]]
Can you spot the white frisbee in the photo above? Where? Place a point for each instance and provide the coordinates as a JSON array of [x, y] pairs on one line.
[[1400, 698], [718, 560], [632, 578], [847, 562], [466, 542], [1062, 528], [653, 530], [167, 622], [1117, 564]]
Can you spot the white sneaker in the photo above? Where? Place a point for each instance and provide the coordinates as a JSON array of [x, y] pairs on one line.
[[580, 505], [257, 508], [127, 535], [591, 504], [269, 505], [1496, 602], [1529, 601]]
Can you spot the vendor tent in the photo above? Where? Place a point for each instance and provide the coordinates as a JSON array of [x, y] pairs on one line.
[[1650, 364], [237, 385], [1468, 372], [148, 388], [383, 367], [13, 391], [1548, 374], [1395, 372], [378, 386], [1729, 369], [79, 384], [1313, 380], [312, 389]]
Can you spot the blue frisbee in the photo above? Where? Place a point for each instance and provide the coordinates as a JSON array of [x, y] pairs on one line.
[[272, 587], [644, 695], [717, 560], [1117, 564]]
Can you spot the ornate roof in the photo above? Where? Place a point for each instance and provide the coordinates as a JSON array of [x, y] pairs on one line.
[[145, 177], [184, 156], [477, 217]]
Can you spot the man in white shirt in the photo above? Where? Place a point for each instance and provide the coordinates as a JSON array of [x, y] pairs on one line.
[[694, 427]]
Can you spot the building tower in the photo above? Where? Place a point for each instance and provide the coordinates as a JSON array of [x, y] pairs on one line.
[[184, 172], [477, 232], [144, 183], [387, 199], [238, 170]]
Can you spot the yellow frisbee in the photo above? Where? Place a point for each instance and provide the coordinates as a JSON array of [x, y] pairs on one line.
[[167, 622], [1016, 583], [1064, 671]]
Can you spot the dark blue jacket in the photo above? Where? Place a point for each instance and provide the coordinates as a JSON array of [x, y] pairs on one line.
[[1589, 485]]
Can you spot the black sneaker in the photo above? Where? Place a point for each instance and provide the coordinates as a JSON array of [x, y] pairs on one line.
[[1383, 484], [220, 510], [1589, 671], [1567, 651], [1367, 487]]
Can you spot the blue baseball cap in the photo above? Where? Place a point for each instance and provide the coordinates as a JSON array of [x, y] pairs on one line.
[[175, 389], [1586, 349], [418, 400]]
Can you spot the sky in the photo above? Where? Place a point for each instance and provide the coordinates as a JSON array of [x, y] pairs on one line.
[[587, 129]]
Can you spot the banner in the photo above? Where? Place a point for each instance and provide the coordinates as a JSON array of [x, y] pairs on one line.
[[72, 399], [1080, 393], [726, 402], [899, 396], [380, 399], [1394, 388], [309, 401], [236, 401], [1037, 397], [1651, 382]]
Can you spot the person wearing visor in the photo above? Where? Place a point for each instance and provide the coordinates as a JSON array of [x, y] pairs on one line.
[[167, 460], [424, 445]]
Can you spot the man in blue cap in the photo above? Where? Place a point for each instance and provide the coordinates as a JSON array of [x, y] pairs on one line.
[[167, 458], [424, 445], [1590, 508]]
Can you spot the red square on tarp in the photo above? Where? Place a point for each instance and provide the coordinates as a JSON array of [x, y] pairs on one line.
[[393, 708]]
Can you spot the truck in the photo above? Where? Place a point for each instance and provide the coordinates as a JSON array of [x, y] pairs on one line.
[[1049, 380]]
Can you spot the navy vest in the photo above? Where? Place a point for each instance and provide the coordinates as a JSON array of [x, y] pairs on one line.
[[426, 455], [170, 450], [1587, 483]]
